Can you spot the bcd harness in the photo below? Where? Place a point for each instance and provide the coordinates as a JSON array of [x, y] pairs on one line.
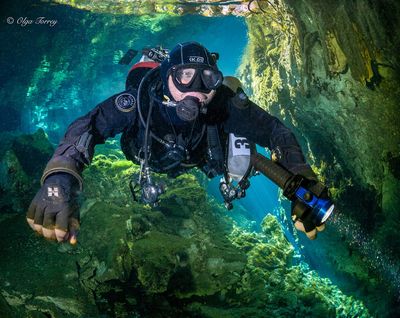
[[175, 159]]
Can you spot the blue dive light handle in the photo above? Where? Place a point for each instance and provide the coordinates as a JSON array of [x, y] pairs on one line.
[[294, 188], [306, 196]]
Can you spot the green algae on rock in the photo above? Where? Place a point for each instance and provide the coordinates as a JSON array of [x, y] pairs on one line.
[[22, 158], [182, 253], [270, 279], [150, 7], [186, 255], [321, 75]]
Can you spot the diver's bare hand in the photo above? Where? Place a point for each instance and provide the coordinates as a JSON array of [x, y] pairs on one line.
[[311, 234], [54, 212]]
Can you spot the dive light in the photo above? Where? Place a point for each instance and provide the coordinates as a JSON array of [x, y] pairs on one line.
[[310, 200], [321, 208]]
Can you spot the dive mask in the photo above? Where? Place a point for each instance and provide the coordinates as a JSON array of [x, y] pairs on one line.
[[195, 77]]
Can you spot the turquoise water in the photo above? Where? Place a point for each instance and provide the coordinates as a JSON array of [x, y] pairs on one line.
[[73, 66], [54, 75], [65, 70]]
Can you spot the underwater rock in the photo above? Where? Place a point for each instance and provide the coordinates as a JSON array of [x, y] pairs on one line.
[[321, 74], [148, 7], [195, 261], [36, 280], [22, 160], [178, 253], [284, 290], [185, 258]]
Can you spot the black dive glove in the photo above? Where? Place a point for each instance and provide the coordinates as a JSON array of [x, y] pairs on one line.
[[54, 211]]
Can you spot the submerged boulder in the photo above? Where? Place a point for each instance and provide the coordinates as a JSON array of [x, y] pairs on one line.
[[329, 71], [186, 258], [22, 160]]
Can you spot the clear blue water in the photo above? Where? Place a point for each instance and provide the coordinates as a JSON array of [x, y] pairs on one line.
[[88, 70], [67, 70], [89, 73]]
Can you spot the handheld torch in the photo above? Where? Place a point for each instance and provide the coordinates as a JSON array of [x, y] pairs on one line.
[[310, 200]]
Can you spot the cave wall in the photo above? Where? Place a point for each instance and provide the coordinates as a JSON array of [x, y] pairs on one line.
[[209, 8], [329, 70]]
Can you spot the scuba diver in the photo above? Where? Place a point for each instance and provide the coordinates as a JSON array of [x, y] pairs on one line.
[[177, 112]]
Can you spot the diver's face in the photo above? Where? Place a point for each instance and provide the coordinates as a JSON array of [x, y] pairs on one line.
[[178, 95]]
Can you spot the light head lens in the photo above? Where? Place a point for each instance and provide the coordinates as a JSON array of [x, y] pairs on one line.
[[328, 213]]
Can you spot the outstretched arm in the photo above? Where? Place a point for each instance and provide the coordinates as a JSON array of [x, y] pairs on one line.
[[76, 149], [54, 211]]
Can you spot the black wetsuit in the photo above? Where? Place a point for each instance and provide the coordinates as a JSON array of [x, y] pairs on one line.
[[107, 120]]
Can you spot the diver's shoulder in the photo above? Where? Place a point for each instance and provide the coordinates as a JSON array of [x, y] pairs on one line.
[[225, 91], [124, 101]]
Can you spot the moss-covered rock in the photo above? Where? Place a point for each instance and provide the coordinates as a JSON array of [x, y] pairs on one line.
[[185, 259], [321, 73], [22, 160], [173, 248], [282, 289], [149, 7]]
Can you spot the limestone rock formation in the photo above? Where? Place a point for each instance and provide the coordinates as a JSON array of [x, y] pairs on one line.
[[184, 259], [329, 70], [22, 160]]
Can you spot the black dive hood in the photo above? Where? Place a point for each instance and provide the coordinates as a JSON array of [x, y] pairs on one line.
[[190, 54]]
